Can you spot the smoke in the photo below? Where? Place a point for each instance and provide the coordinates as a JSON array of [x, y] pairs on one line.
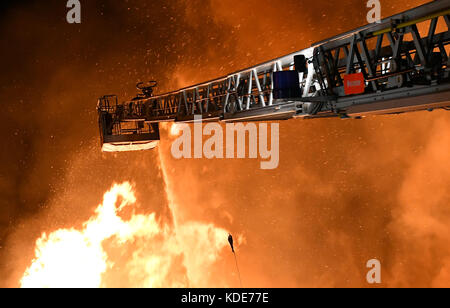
[[338, 191], [345, 191], [422, 218]]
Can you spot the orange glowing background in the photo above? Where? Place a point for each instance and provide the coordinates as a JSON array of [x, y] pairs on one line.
[[345, 191]]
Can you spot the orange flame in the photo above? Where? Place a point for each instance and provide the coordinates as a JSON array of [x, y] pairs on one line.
[[78, 258]]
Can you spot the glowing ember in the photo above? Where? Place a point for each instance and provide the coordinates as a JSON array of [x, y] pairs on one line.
[[142, 251]]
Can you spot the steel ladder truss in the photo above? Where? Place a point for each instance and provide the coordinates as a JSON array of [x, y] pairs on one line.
[[402, 62]]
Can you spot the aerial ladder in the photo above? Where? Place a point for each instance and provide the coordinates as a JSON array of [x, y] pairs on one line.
[[401, 64]]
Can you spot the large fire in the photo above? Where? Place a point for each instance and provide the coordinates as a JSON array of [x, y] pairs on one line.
[[345, 191], [162, 255]]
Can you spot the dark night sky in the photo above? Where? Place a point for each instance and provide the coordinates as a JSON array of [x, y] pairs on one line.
[[346, 191]]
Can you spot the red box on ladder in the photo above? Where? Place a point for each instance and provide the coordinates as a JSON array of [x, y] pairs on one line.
[[354, 84]]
